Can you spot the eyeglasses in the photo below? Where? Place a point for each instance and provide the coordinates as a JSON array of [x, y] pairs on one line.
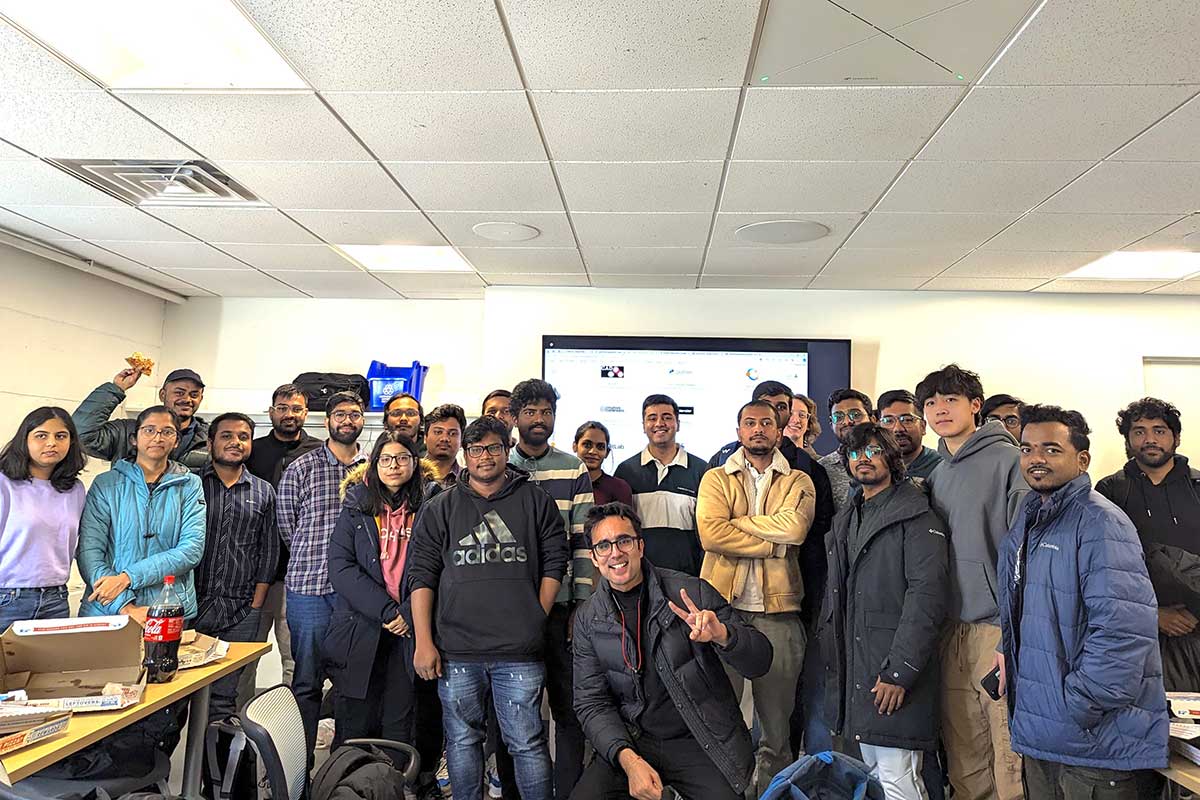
[[907, 420], [476, 450], [407, 413], [854, 415], [625, 544], [284, 408], [868, 452], [1011, 421], [801, 415], [600, 447], [342, 416], [401, 460], [150, 432]]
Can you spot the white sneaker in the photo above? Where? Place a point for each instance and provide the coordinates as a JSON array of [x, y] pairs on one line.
[[325, 731]]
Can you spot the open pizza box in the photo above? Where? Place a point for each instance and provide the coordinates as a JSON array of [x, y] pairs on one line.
[[197, 649], [82, 664]]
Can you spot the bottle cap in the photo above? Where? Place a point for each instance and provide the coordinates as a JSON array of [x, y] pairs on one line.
[[169, 580]]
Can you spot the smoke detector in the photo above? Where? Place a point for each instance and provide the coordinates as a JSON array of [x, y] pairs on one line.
[[782, 231]]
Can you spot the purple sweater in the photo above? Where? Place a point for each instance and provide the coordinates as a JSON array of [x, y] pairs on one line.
[[39, 528]]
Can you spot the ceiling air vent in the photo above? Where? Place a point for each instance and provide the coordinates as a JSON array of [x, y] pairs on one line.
[[161, 183]]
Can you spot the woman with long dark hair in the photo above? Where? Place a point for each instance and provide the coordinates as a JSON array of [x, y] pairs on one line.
[[41, 499], [368, 646]]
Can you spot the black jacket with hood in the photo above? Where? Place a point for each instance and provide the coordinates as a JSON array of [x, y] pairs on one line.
[[485, 558], [608, 697], [883, 611], [1176, 500]]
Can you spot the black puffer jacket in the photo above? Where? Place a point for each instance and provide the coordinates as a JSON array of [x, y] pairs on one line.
[[881, 619], [608, 696]]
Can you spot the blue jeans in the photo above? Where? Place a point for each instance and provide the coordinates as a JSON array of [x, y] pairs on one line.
[[308, 619], [516, 689], [45, 603]]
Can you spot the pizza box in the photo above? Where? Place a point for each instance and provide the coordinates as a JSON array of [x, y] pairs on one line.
[[197, 649], [82, 664], [1185, 705], [52, 726]]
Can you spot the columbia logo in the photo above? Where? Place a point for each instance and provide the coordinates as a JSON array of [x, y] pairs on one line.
[[1048, 546], [489, 542]]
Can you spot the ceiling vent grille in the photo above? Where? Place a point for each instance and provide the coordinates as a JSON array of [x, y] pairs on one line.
[[162, 183]]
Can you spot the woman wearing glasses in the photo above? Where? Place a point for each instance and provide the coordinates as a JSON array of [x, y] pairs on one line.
[[368, 648], [592, 447], [143, 520], [41, 499]]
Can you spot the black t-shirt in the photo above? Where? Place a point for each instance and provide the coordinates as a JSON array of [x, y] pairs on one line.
[[265, 455], [659, 719]]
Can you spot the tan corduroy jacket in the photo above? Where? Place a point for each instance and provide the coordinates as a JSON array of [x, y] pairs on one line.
[[736, 539]]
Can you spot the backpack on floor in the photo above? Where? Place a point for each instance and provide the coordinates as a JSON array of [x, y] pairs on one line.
[[357, 773], [825, 776], [318, 387]]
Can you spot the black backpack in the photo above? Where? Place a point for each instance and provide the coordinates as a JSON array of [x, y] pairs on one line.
[[358, 773], [318, 387]]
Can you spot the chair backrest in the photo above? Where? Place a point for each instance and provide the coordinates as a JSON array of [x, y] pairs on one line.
[[273, 724]]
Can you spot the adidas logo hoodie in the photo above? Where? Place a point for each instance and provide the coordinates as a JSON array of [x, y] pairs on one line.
[[485, 558]]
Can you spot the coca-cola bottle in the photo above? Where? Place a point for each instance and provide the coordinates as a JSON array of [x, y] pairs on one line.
[[164, 628]]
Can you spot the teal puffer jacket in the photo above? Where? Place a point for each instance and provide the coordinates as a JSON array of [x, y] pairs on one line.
[[147, 536]]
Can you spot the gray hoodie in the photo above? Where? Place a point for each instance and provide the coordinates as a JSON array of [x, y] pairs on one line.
[[978, 491]]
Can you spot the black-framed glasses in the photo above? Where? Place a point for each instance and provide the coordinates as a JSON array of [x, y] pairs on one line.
[[868, 452], [854, 415], [342, 416], [625, 544], [907, 420], [149, 431], [476, 450], [399, 460], [1010, 421]]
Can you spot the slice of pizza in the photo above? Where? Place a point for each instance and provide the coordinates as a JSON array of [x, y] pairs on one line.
[[141, 363]]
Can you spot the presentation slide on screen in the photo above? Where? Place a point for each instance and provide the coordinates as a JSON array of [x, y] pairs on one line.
[[709, 386]]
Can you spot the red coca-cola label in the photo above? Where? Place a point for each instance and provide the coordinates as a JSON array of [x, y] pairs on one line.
[[163, 629]]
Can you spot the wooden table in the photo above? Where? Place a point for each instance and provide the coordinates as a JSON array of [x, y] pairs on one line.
[[92, 726], [1183, 772]]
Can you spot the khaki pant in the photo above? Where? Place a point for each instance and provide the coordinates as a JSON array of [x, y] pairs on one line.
[[979, 755]]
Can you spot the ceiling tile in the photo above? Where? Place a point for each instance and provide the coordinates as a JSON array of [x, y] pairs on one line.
[[1102, 42], [888, 15], [369, 227], [291, 257], [1180, 287], [686, 125], [24, 64], [335, 185], [879, 262], [443, 126], [1056, 123], [641, 230], [1018, 264], [1099, 287], [859, 123], [15, 223], [979, 186], [881, 283], [259, 225], [354, 284], [917, 231], [524, 260], [1181, 235], [640, 186], [790, 186], [734, 261], [375, 45], [1143, 187], [556, 230], [236, 282], [877, 60], [622, 44], [448, 294], [1173, 139], [754, 281], [254, 126], [103, 257], [960, 283], [1077, 232], [839, 226], [119, 222], [431, 281], [33, 182], [964, 36], [87, 124], [544, 279], [608, 281], [480, 186], [174, 255], [10, 153], [645, 260], [795, 34]]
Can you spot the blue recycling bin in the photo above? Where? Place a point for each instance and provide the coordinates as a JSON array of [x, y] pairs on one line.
[[387, 382]]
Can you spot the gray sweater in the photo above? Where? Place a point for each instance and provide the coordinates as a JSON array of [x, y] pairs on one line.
[[978, 491]]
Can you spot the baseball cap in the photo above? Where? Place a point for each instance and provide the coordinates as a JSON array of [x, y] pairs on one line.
[[184, 375]]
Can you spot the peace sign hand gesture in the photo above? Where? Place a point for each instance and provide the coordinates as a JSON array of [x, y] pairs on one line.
[[704, 623]]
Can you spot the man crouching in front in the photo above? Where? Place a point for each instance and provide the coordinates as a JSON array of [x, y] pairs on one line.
[[650, 690]]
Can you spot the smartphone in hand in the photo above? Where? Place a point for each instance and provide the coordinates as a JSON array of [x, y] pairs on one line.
[[991, 683]]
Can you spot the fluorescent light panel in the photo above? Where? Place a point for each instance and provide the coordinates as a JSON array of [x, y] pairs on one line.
[[1149, 265], [406, 258], [157, 44]]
